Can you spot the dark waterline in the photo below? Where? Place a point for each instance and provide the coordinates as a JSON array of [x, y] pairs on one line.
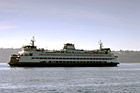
[[121, 79]]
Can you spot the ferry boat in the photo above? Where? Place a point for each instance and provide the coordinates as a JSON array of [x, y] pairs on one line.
[[31, 56]]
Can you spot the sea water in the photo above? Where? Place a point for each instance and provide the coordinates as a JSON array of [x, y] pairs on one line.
[[122, 79]]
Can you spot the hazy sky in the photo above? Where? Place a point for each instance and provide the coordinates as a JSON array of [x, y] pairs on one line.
[[82, 22]]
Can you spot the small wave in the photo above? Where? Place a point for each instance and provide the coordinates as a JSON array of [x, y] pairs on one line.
[[4, 66]]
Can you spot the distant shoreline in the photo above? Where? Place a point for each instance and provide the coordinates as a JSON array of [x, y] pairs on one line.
[[125, 56]]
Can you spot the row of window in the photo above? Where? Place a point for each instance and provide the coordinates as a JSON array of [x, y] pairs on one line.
[[73, 58], [73, 54], [74, 62]]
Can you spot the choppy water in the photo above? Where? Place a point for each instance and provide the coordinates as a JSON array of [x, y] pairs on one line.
[[122, 79]]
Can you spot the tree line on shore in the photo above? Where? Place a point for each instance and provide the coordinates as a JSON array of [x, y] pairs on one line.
[[124, 56]]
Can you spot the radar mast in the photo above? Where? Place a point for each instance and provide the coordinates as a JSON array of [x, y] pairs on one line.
[[32, 41], [101, 44]]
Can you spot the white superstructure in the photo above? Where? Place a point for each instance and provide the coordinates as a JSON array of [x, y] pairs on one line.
[[68, 56]]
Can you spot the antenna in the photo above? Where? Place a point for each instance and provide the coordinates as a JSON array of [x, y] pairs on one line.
[[101, 44], [32, 41]]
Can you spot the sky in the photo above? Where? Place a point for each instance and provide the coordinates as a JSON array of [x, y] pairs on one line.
[[81, 22]]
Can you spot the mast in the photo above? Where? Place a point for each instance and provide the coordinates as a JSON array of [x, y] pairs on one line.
[[32, 41], [101, 44]]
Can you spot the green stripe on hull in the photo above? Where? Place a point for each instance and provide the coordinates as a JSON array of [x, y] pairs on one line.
[[62, 64]]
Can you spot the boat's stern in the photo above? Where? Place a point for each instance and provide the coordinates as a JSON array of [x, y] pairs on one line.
[[14, 59]]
